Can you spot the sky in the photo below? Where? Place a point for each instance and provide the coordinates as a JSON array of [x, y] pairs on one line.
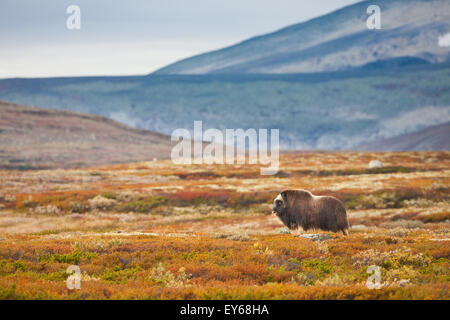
[[134, 37]]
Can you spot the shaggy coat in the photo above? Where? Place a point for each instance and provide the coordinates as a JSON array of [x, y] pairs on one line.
[[300, 208]]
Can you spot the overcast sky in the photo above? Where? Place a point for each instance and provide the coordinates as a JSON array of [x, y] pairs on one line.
[[134, 36]]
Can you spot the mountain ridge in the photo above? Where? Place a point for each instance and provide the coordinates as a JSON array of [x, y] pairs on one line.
[[319, 44]]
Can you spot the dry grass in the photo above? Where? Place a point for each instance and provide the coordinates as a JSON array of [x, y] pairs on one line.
[[159, 231]]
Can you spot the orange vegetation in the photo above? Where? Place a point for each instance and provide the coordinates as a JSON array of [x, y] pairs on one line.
[[155, 230]]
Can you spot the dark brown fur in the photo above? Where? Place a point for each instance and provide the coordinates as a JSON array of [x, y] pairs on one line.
[[300, 208]]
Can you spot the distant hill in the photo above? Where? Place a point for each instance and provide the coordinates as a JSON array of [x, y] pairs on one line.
[[33, 138], [434, 138], [336, 41], [337, 110]]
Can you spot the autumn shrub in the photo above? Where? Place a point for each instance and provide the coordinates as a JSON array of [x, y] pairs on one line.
[[166, 278], [402, 223], [372, 201], [120, 275], [319, 267], [405, 272], [283, 231], [239, 237], [243, 175], [70, 258], [71, 201], [245, 200], [440, 193], [219, 198], [185, 198], [392, 259], [337, 280], [305, 279], [402, 194], [126, 196], [78, 207], [101, 203], [46, 210], [9, 267], [419, 203], [203, 175], [142, 206], [404, 216], [434, 217], [389, 169], [405, 257], [98, 245], [381, 199], [352, 201], [109, 195], [350, 172], [11, 293]]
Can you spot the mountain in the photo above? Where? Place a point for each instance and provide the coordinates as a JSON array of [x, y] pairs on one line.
[[433, 138], [340, 40], [32, 138], [351, 85], [337, 110]]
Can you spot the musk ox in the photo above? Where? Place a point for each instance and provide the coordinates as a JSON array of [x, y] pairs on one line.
[[300, 208]]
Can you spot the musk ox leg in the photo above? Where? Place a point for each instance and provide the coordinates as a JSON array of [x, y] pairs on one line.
[[298, 231], [345, 232]]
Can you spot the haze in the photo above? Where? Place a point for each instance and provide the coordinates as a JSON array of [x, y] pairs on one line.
[[134, 37]]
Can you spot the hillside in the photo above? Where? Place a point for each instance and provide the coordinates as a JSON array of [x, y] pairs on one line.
[[42, 138], [432, 138], [336, 41], [337, 110]]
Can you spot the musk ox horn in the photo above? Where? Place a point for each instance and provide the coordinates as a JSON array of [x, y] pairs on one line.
[[300, 208]]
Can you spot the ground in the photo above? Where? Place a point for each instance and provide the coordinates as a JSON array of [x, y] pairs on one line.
[[155, 230]]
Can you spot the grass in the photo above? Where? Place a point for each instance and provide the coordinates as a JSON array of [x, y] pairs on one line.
[[210, 235]]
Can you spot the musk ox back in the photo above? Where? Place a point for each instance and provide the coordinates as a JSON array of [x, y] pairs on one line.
[[300, 208]]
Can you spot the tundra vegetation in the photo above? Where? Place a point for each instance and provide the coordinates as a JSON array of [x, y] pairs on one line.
[[155, 230]]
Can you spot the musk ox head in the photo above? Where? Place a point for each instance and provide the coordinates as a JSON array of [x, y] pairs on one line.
[[279, 204], [287, 201]]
